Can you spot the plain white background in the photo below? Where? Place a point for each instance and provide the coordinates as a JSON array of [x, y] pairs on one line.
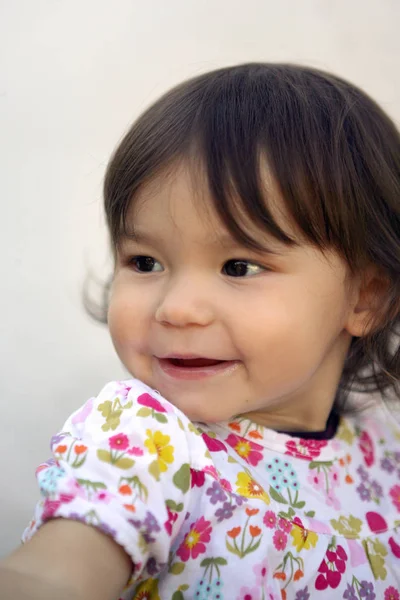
[[73, 76]]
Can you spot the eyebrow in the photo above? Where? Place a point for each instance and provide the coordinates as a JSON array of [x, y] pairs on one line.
[[225, 241]]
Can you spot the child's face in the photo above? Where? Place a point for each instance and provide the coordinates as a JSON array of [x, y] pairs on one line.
[[277, 332]]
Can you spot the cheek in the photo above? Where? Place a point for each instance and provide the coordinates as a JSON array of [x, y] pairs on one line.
[[125, 317]]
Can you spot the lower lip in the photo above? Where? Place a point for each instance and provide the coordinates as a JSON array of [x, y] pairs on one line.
[[196, 373]]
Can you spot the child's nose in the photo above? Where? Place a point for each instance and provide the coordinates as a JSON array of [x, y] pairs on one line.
[[184, 302]]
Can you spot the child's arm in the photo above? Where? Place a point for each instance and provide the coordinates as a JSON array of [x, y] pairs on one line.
[[66, 560]]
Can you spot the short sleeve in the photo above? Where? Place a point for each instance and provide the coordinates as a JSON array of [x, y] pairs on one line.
[[121, 464]]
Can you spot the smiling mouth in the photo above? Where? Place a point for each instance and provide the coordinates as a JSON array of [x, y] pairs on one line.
[[194, 363], [195, 368]]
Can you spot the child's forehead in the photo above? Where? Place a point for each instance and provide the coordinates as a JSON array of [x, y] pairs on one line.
[[180, 196]]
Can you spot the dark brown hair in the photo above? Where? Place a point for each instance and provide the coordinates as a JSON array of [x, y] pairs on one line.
[[334, 154]]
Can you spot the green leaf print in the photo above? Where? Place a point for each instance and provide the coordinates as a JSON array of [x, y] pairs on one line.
[[349, 527], [112, 412], [143, 412], [177, 568], [124, 463], [104, 456], [105, 408], [121, 462], [154, 470], [345, 433], [174, 506], [94, 485], [178, 595], [233, 549], [183, 587], [277, 496], [220, 561], [160, 417], [182, 478]]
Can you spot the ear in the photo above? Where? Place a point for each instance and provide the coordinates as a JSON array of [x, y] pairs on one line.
[[368, 302]]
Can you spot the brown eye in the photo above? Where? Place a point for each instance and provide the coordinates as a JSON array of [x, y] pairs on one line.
[[145, 264], [241, 268]]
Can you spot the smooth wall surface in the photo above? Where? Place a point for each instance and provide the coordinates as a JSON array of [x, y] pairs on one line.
[[73, 75]]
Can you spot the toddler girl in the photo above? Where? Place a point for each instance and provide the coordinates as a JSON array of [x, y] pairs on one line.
[[254, 216]]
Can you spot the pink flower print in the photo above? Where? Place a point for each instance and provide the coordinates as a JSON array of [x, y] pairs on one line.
[[285, 525], [249, 451], [213, 444], [122, 389], [334, 477], [226, 485], [103, 496], [279, 539], [247, 593], [260, 572], [119, 441], [357, 553], [195, 541], [150, 402], [307, 449], [269, 519], [317, 480], [211, 470], [332, 500], [367, 448], [395, 494], [391, 594], [135, 451], [83, 413], [270, 594]]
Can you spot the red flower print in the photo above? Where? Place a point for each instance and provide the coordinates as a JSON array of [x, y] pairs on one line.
[[213, 444], [197, 478], [60, 449], [307, 449], [125, 489], [150, 402], [119, 441], [234, 532], [298, 575], [252, 511], [367, 448], [395, 548], [172, 517], [256, 435], [391, 594], [80, 449], [235, 426], [395, 494], [251, 452], [195, 541], [254, 530], [269, 519], [279, 539]]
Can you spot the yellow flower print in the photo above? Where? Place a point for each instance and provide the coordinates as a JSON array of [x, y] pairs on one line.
[[249, 488], [147, 590], [302, 538], [157, 443]]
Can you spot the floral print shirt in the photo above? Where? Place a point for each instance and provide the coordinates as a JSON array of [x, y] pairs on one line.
[[230, 511]]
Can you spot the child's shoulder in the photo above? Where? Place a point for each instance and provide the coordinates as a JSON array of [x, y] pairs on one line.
[[131, 409]]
